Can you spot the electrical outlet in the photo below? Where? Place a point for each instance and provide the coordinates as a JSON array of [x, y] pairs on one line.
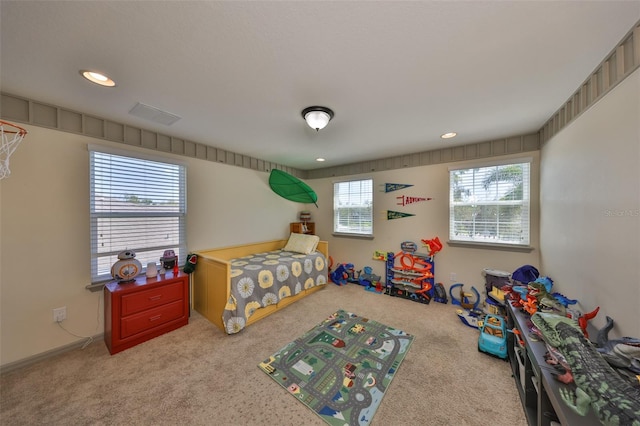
[[453, 277], [60, 314]]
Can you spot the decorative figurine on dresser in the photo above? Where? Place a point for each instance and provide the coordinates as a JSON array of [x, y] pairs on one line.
[[127, 267]]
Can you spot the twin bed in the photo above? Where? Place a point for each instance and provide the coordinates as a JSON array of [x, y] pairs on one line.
[[234, 287]]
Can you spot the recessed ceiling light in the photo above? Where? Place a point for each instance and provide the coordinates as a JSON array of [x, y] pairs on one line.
[[97, 78], [320, 159], [449, 135]]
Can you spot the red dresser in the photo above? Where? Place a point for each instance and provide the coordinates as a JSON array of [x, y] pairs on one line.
[[140, 310]]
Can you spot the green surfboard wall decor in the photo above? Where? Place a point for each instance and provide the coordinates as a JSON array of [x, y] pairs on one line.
[[291, 188]]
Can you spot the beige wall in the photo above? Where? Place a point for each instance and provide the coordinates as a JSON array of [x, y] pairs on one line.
[[590, 204], [588, 172], [44, 234], [431, 219]]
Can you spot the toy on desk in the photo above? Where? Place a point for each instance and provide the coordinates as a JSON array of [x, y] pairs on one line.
[[584, 319], [563, 371], [546, 282], [168, 259], [530, 305], [525, 274], [464, 299], [620, 353], [565, 301], [599, 388], [127, 267]]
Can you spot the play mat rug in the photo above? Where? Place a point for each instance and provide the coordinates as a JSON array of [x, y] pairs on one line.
[[341, 368]]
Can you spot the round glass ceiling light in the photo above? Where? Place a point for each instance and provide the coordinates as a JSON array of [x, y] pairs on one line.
[[320, 160], [317, 117], [97, 78], [449, 135]]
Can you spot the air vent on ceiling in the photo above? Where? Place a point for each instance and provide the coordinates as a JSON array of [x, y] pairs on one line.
[[154, 114]]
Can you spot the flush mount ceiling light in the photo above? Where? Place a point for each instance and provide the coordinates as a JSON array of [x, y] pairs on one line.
[[317, 117], [97, 78], [449, 135]]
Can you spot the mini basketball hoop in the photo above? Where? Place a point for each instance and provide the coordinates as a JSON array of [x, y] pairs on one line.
[[12, 135]]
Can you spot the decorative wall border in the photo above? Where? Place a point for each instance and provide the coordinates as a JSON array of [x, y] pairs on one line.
[[512, 145], [37, 113], [618, 65]]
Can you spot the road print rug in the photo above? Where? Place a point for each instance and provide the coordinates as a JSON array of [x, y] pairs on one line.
[[341, 368]]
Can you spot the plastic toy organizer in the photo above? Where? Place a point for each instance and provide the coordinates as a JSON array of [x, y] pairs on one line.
[[410, 276]]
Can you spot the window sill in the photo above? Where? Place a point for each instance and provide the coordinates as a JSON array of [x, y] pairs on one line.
[[491, 246], [96, 286], [356, 236]]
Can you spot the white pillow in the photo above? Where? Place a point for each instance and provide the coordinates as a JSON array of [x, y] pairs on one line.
[[302, 243]]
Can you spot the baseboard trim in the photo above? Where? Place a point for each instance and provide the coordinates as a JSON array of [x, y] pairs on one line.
[[12, 366]]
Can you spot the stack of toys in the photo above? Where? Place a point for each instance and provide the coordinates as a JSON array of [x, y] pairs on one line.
[[409, 274]]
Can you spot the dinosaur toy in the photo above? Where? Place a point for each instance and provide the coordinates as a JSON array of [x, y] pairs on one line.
[[555, 358], [584, 318], [530, 305], [551, 305], [622, 353], [538, 290], [598, 386], [564, 300], [340, 275]]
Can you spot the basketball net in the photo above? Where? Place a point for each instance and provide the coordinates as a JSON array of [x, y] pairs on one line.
[[11, 135]]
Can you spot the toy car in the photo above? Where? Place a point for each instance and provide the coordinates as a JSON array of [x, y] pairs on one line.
[[493, 336]]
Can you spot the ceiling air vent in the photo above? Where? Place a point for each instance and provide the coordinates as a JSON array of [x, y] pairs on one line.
[[154, 114]]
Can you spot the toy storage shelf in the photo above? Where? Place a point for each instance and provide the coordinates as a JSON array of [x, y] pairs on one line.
[[405, 292], [539, 390]]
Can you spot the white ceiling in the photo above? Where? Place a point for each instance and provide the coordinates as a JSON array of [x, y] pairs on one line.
[[397, 74]]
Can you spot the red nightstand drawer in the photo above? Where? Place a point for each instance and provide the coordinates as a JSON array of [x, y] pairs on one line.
[[146, 299], [143, 309], [151, 318]]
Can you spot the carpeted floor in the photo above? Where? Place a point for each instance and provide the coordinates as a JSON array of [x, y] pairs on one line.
[[199, 376]]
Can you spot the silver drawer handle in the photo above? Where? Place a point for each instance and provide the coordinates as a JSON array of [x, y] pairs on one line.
[[157, 317], [158, 297]]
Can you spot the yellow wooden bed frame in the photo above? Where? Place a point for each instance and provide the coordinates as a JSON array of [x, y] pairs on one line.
[[212, 277]]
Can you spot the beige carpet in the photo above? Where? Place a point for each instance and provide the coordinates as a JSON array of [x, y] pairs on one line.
[[199, 376]]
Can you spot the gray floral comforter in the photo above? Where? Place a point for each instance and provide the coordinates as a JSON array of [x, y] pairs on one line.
[[263, 279]]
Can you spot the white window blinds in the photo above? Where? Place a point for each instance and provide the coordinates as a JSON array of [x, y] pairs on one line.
[[136, 204], [490, 204], [353, 207]]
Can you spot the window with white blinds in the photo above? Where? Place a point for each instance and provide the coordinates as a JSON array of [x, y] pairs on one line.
[[136, 204], [353, 207], [490, 204]]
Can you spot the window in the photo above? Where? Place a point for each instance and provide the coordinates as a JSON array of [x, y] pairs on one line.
[[490, 204], [353, 207], [136, 204]]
